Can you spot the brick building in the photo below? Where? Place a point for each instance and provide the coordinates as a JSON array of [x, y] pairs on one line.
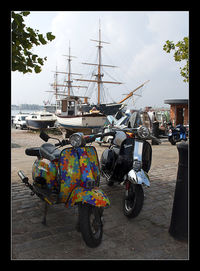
[[178, 111]]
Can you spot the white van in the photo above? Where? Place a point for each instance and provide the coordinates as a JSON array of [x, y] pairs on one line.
[[20, 121]]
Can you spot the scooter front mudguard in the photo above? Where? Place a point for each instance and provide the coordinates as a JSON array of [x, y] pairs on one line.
[[138, 177], [94, 196]]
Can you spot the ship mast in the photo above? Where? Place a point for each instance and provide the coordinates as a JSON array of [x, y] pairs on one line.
[[69, 72], [99, 75], [56, 89], [69, 81]]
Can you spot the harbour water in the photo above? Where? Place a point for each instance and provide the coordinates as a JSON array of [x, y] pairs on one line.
[[15, 112]]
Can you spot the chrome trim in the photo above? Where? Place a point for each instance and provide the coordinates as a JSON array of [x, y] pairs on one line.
[[138, 147], [139, 177]]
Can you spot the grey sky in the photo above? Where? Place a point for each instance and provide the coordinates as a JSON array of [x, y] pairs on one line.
[[136, 48]]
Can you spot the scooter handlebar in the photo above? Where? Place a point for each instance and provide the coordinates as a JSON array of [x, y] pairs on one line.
[[112, 133], [87, 138], [62, 143], [91, 138]]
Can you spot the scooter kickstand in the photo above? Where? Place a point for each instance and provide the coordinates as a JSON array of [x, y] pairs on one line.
[[45, 214]]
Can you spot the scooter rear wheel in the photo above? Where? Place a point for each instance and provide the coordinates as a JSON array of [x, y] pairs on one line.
[[91, 226]]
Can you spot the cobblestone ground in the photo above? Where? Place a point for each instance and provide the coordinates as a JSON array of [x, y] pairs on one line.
[[144, 237]]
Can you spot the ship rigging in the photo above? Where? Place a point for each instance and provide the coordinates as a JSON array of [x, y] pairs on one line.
[[105, 108]]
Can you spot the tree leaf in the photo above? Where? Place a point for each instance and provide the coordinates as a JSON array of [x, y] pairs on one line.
[[25, 13], [37, 69], [41, 39], [40, 61], [181, 53], [23, 39], [50, 37]]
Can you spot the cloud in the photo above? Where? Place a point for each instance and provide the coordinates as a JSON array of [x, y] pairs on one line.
[[146, 61], [168, 25], [151, 58], [136, 47]]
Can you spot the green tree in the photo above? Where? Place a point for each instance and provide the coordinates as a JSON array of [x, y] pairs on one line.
[[23, 40], [181, 53]]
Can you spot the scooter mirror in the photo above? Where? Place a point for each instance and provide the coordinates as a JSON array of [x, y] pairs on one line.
[[44, 136]]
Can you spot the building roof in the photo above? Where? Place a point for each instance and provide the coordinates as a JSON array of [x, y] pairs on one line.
[[176, 101]]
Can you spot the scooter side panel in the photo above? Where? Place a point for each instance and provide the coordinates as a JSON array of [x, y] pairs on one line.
[[47, 170], [89, 164], [70, 173], [77, 166], [93, 196]]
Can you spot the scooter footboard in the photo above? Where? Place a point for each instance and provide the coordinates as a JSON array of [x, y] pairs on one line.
[[94, 196]]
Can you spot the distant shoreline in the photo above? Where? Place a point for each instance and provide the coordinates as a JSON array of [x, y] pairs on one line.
[[27, 107]]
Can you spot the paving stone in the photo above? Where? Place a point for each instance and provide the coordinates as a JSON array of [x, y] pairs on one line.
[[41, 234]]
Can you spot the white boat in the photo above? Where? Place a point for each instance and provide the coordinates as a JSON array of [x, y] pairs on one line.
[[70, 116], [40, 119]]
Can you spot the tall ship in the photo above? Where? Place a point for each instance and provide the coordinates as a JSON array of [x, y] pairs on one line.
[[75, 112], [70, 111]]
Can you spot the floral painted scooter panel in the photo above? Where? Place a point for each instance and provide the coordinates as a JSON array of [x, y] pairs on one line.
[[77, 166]]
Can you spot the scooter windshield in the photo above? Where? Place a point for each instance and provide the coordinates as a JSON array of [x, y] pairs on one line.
[[78, 166]]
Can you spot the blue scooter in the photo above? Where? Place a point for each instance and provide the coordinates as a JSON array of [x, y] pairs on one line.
[[176, 134]]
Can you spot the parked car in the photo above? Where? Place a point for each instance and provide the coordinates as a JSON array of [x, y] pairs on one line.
[[20, 121]]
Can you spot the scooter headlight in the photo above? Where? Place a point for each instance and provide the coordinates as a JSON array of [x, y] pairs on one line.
[[77, 140], [143, 132]]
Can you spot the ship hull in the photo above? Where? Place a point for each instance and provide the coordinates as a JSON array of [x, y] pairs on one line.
[[81, 122], [106, 109], [39, 124]]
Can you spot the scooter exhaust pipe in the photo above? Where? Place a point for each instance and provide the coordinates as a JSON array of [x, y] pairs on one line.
[[25, 180], [22, 177]]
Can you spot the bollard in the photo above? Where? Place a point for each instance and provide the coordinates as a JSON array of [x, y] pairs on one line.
[[155, 132], [179, 218]]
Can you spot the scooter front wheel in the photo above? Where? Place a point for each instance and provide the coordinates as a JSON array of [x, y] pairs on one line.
[[133, 200], [90, 223], [172, 140]]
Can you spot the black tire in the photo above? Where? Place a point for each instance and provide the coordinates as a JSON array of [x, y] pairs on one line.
[[90, 223], [172, 140], [133, 200]]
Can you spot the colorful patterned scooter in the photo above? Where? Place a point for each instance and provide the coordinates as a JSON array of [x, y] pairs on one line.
[[70, 176]]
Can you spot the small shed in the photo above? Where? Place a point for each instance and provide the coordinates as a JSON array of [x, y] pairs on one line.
[[178, 111]]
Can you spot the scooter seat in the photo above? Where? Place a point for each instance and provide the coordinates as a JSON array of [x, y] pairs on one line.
[[49, 152], [35, 151]]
